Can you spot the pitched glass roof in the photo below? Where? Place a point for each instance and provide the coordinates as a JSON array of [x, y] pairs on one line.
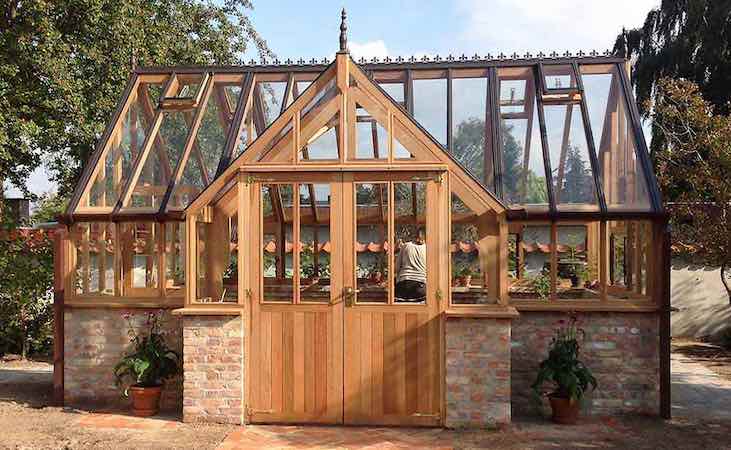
[[557, 137]]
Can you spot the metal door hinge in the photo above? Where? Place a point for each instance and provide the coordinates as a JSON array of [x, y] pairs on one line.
[[439, 295]]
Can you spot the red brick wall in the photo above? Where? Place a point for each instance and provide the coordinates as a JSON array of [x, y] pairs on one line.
[[478, 372], [620, 348], [213, 362], [94, 341]]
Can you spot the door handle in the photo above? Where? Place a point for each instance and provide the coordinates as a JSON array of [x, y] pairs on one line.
[[349, 294]]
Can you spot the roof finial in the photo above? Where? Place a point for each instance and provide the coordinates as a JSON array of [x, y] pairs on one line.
[[343, 32]]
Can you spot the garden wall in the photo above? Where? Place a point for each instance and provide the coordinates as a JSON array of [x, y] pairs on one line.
[[620, 348], [94, 340]]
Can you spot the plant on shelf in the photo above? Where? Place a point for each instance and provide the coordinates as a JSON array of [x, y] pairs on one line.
[[462, 273], [142, 371], [541, 284], [377, 270], [570, 377]]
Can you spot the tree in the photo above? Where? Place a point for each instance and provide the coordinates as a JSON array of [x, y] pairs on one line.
[[688, 39], [64, 64], [577, 179], [694, 169]]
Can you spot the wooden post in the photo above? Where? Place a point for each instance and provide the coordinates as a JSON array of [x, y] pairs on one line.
[[662, 234], [60, 272]]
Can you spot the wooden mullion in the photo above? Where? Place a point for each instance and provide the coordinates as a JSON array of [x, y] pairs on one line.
[[391, 243], [160, 245]]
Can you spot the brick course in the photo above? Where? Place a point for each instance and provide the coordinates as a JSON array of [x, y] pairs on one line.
[[94, 341], [213, 361], [478, 372], [621, 349]]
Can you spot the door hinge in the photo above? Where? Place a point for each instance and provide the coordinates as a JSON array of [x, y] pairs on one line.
[[248, 294], [439, 295]]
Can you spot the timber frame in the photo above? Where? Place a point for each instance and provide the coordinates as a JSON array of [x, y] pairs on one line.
[[169, 211]]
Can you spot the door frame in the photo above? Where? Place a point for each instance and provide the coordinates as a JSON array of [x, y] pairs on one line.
[[339, 181]]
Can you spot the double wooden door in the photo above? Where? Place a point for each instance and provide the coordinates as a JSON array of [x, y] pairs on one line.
[[333, 337]]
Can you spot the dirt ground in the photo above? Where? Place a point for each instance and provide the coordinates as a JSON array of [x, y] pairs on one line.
[[712, 356], [27, 422]]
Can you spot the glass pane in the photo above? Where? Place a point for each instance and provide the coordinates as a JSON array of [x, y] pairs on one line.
[[94, 245], [141, 254], [300, 87], [371, 140], [371, 242], [395, 91], [279, 148], [559, 76], [410, 236], [624, 182], [524, 174], [469, 135], [320, 99], [573, 182], [315, 243], [217, 259], [469, 281], [628, 254], [247, 134], [124, 146], [320, 139], [403, 142], [272, 97], [277, 202], [430, 107], [533, 279], [174, 257], [188, 85], [200, 168], [161, 161], [577, 253], [231, 256]]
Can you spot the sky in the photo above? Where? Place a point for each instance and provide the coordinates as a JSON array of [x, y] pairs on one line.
[[295, 29]]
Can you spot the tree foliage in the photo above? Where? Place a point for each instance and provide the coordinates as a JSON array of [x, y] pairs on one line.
[[694, 170], [64, 64], [688, 39]]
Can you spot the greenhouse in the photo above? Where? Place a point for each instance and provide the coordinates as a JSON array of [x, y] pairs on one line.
[[266, 209]]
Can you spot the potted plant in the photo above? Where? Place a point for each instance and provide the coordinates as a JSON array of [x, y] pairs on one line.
[[569, 376], [147, 365], [572, 268]]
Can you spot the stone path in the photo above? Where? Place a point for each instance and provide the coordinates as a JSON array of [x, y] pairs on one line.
[[698, 392]]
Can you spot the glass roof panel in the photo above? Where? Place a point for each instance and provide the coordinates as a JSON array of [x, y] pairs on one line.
[[430, 107], [573, 181], [371, 138], [123, 147], [623, 179], [271, 94], [470, 130], [523, 169]]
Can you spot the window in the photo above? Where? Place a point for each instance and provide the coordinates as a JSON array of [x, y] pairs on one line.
[[174, 257], [533, 271], [372, 247], [628, 259], [94, 249], [468, 256], [141, 258], [217, 258], [430, 107], [470, 131]]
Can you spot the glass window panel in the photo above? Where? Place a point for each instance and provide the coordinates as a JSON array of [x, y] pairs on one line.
[[320, 140], [314, 262], [403, 141], [161, 161], [320, 99], [624, 182], [247, 134], [188, 85], [94, 245], [395, 91], [577, 274], [277, 203], [469, 109], [272, 97], [469, 280], [279, 148], [524, 174], [174, 257], [123, 147], [559, 76], [371, 242], [629, 245], [533, 279], [371, 141], [410, 235], [300, 87], [430, 107], [573, 181], [205, 155], [141, 255]]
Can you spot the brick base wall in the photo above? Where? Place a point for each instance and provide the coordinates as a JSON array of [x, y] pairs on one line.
[[213, 365], [478, 372], [94, 341], [621, 349]]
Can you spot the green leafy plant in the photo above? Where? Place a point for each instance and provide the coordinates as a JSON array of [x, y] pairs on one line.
[[569, 376], [151, 361], [542, 285]]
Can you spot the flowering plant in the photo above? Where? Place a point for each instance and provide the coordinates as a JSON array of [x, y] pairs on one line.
[[150, 361], [570, 377]]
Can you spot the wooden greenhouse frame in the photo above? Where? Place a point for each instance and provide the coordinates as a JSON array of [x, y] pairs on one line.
[[244, 190]]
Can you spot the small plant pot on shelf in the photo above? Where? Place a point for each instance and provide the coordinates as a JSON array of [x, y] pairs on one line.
[[145, 400], [564, 410]]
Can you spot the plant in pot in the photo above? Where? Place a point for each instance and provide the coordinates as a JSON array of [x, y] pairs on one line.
[[572, 268], [569, 376], [147, 365]]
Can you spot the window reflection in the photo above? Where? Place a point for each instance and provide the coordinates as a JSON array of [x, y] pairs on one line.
[[470, 131], [469, 280], [372, 245]]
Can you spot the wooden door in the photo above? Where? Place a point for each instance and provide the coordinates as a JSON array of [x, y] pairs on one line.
[[392, 349], [295, 364]]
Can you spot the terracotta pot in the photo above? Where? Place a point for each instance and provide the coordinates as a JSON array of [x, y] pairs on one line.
[[467, 280], [564, 411], [145, 400]]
